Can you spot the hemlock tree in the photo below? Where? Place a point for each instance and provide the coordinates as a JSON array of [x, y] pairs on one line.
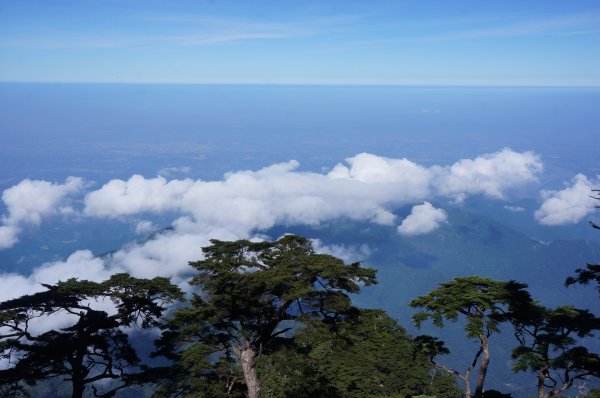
[[548, 346], [94, 345], [255, 292], [483, 303]]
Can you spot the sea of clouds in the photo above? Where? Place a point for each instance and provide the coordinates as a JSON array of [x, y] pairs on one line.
[[243, 203]]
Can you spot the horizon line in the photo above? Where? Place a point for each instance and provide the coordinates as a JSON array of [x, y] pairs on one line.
[[422, 85]]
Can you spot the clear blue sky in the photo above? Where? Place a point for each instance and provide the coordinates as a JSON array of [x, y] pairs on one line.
[[503, 42]]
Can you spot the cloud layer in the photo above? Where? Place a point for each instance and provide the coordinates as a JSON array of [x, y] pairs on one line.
[[569, 205], [365, 187]]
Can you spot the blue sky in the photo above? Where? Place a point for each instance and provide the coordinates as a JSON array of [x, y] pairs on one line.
[[417, 42]]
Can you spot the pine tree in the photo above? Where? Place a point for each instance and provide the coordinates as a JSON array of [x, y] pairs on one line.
[[253, 293], [94, 345]]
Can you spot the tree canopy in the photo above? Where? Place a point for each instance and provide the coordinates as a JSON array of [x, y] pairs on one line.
[[253, 292], [483, 303], [548, 346], [275, 319], [366, 355], [93, 345]]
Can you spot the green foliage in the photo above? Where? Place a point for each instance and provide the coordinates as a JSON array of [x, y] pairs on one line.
[[365, 355], [548, 345], [255, 293], [591, 273], [482, 301], [430, 347], [95, 346]]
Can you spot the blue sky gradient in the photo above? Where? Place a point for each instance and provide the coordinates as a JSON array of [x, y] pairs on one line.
[[532, 43]]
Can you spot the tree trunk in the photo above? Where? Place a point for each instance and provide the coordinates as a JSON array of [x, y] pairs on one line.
[[467, 388], [78, 373], [483, 366], [465, 378], [247, 358], [541, 378], [78, 388], [557, 390]]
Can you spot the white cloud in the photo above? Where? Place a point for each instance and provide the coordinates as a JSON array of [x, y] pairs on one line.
[[369, 168], [569, 205], [136, 195], [29, 201], [422, 219], [365, 188], [245, 203], [9, 236], [81, 264], [246, 200], [167, 255], [490, 175]]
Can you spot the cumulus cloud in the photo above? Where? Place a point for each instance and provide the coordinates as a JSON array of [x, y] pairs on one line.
[[569, 205], [81, 264], [246, 203], [371, 169], [246, 200], [364, 188], [491, 175], [164, 256], [28, 202], [136, 195], [422, 219], [167, 255]]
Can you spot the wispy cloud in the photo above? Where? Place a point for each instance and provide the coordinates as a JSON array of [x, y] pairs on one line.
[[201, 30], [566, 25], [187, 30], [480, 27]]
